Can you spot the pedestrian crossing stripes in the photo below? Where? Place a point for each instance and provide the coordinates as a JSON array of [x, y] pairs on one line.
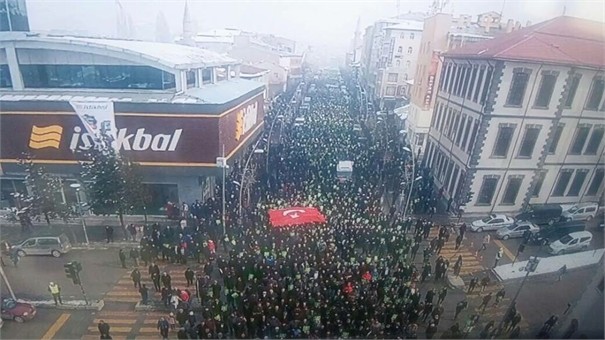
[[470, 263], [127, 324]]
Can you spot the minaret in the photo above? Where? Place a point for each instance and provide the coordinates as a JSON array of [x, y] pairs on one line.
[[188, 32]]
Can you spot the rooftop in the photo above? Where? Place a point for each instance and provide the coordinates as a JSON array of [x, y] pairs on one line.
[[171, 55], [562, 40], [409, 25], [245, 69], [219, 93]]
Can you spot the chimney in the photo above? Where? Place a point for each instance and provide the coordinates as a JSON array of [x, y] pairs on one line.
[[510, 24], [517, 25]]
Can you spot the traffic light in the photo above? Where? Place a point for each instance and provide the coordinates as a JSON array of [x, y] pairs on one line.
[[532, 264], [78, 267], [469, 196], [71, 271]]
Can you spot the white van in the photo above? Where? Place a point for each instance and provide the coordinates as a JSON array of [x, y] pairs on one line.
[[578, 240], [580, 212]]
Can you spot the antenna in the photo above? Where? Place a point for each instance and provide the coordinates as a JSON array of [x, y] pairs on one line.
[[502, 10]]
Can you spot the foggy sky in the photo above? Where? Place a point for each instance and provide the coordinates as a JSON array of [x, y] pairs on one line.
[[316, 22]]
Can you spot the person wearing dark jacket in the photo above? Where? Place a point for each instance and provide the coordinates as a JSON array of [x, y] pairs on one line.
[[163, 327], [144, 291], [104, 329], [136, 278], [189, 275], [122, 257]]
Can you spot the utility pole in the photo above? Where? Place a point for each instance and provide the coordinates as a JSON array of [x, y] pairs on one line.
[[8, 285], [532, 264], [224, 170]]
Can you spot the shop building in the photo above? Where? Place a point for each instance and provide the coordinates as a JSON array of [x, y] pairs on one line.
[[173, 112]]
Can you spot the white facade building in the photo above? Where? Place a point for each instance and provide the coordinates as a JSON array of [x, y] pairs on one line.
[[519, 119]]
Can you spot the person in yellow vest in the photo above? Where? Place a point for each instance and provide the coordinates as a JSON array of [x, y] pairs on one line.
[[55, 291]]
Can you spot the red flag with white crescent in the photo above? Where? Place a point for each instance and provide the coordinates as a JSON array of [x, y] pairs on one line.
[[295, 216]]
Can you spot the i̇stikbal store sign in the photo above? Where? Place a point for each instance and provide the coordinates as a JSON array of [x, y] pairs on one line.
[[148, 139]]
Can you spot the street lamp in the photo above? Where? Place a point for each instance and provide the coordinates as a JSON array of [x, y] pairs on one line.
[[77, 187], [221, 162], [241, 187]]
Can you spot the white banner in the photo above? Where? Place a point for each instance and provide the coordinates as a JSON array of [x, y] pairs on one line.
[[99, 120], [250, 116]]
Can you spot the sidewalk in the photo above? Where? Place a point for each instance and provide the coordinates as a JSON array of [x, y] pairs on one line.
[[549, 264]]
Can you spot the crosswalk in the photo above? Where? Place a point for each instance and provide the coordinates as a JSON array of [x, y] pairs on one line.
[[127, 325], [131, 324], [125, 292], [471, 264]]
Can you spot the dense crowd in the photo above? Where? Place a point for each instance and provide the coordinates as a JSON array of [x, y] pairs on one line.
[[354, 276]]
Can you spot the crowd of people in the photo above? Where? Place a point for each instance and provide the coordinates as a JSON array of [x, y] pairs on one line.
[[355, 276]]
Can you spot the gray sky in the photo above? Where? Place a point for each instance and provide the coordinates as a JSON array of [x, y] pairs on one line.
[[317, 22]]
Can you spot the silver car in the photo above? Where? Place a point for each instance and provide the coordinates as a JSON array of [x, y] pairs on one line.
[[44, 245], [516, 230]]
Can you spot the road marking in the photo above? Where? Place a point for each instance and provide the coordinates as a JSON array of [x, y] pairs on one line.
[[112, 330], [117, 321], [52, 331], [507, 252]]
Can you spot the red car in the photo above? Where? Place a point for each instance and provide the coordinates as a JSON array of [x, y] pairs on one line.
[[18, 311]]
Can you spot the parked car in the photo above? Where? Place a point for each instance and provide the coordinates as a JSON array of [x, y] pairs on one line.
[[580, 240], [581, 212], [516, 230], [492, 222], [18, 311], [541, 214], [44, 245], [548, 234], [600, 219]]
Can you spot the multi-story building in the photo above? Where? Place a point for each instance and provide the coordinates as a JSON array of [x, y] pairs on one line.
[[441, 33], [375, 54], [176, 109], [398, 62], [519, 119]]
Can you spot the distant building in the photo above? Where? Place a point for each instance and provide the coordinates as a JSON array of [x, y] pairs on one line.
[[441, 33], [13, 16], [379, 56], [519, 119]]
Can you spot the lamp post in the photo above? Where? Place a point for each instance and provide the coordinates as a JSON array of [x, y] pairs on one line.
[[222, 163], [77, 187], [241, 186]]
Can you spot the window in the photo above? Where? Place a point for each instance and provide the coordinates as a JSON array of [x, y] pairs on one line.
[[538, 186], [5, 76], [596, 94], [207, 76], [450, 86], [398, 63], [512, 189], [503, 140], [410, 50], [579, 140], [412, 36], [45, 242], [479, 82], [407, 64], [405, 76], [459, 81], [573, 88], [547, 86], [472, 83], [488, 187], [467, 77], [555, 138], [460, 130], [596, 182], [529, 140], [190, 79], [562, 182], [469, 123], [469, 148], [392, 77], [97, 77], [420, 138], [390, 91], [577, 182], [595, 140], [446, 76], [517, 88], [400, 49], [486, 84]]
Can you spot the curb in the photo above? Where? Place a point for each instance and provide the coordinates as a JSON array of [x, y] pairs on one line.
[[105, 246], [69, 305]]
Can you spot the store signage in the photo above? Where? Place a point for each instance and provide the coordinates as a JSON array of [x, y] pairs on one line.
[[138, 141]]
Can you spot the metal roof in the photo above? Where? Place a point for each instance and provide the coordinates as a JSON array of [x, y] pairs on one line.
[[170, 55], [562, 40], [219, 93]]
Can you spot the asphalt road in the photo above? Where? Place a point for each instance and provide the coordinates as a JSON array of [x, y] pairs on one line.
[[100, 270]]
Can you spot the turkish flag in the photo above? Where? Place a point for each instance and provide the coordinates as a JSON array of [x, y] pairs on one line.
[[295, 216]]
